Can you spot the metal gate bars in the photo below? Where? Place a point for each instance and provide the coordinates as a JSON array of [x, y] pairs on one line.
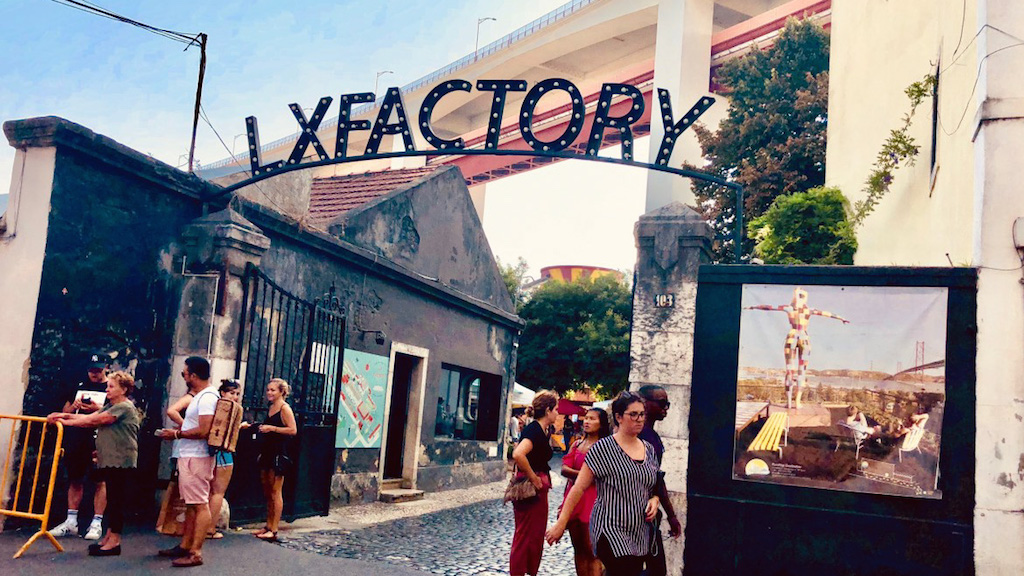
[[302, 342]]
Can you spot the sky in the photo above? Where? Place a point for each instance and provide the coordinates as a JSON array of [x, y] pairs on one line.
[[139, 88], [885, 324]]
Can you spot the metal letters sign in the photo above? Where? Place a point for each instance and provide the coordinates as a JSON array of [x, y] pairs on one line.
[[395, 119]]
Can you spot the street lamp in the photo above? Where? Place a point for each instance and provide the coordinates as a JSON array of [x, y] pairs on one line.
[[377, 79], [235, 141], [480, 21]]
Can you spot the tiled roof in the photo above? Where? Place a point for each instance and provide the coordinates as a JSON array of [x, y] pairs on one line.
[[331, 197]]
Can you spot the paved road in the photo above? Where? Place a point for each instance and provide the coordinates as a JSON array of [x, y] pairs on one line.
[[237, 553], [470, 541]]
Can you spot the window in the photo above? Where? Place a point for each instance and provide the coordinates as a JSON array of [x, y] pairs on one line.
[[467, 404]]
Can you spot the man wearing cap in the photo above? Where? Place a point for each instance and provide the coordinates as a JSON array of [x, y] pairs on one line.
[[657, 405], [79, 445]]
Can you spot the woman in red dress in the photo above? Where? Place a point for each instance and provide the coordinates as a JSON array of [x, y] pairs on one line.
[[595, 427]]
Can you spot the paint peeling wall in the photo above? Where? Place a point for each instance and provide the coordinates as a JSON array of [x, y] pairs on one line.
[[377, 295]]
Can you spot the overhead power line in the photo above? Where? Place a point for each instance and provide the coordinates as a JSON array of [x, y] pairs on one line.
[[91, 8], [184, 38]]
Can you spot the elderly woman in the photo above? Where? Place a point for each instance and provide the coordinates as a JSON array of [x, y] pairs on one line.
[[625, 469], [531, 456], [117, 451], [278, 428]]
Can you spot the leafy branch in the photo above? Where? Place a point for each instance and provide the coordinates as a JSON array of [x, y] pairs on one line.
[[899, 147]]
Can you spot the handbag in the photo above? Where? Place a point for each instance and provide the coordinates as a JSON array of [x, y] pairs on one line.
[[282, 464], [519, 488]]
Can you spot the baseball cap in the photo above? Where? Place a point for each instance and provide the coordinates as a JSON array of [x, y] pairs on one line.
[[97, 360]]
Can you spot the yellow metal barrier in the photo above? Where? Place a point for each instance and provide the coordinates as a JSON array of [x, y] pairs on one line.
[[32, 447]]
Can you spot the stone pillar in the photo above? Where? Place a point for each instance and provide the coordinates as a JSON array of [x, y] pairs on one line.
[[682, 65], [672, 242], [998, 137], [214, 252]]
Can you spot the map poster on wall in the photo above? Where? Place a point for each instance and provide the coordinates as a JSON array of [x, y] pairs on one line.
[[364, 381], [864, 412]]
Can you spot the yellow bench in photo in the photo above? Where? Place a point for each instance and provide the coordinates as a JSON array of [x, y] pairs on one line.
[[773, 435]]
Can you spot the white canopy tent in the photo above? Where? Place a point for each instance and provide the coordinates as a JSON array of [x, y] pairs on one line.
[[521, 395]]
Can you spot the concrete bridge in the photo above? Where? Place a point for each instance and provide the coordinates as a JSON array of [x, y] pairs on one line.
[[671, 44]]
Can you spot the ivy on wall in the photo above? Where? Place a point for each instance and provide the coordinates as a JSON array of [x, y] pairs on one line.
[[900, 148]]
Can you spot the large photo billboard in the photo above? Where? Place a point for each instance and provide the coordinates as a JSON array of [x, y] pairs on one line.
[[841, 387]]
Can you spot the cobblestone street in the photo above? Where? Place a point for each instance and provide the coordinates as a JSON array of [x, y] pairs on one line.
[[469, 540]]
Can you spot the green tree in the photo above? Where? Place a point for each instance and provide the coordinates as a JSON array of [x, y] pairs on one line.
[[514, 277], [576, 335], [773, 139], [809, 227]]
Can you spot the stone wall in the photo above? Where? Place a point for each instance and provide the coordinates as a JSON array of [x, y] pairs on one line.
[[672, 242]]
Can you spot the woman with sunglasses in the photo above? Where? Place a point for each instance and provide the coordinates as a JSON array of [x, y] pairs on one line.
[[625, 470]]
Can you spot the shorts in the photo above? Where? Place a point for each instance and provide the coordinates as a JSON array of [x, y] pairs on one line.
[[195, 476], [79, 465], [224, 459]]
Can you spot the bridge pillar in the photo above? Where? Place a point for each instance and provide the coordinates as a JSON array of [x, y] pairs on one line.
[[672, 242], [682, 65]]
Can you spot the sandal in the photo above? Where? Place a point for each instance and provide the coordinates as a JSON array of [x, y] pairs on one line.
[[268, 536], [261, 531], [188, 561], [215, 536]]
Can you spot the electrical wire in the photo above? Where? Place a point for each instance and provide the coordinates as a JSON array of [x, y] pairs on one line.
[[202, 114], [97, 10], [974, 88]]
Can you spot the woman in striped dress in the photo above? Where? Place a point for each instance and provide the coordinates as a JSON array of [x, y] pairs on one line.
[[625, 470]]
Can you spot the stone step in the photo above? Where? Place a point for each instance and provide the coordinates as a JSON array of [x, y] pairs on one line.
[[396, 495], [391, 484]]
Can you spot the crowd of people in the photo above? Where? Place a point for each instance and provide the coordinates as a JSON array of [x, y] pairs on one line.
[[101, 445], [615, 494], [612, 506]]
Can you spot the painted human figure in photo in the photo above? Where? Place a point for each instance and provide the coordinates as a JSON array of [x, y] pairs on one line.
[[797, 349]]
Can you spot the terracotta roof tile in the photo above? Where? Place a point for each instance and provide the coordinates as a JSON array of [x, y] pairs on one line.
[[331, 197]]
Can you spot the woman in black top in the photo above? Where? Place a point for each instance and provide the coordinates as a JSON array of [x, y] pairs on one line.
[[277, 430], [532, 456], [625, 470]]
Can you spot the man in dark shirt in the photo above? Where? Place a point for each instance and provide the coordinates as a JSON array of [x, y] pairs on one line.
[[657, 404], [79, 445]]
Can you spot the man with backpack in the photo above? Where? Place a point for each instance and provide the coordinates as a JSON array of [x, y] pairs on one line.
[[195, 463]]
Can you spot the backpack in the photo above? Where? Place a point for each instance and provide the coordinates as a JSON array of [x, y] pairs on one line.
[[227, 420]]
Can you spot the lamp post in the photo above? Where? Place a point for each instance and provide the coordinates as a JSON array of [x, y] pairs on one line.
[[476, 46], [377, 79], [235, 141]]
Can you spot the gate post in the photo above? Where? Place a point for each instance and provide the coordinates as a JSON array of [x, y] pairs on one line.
[[216, 249], [212, 256], [672, 242]]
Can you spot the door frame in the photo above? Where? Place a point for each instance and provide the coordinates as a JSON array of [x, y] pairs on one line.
[[414, 420]]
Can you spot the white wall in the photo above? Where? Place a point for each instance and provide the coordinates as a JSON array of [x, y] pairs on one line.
[[21, 259], [877, 49]]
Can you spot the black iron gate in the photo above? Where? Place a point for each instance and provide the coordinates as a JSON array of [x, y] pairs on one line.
[[284, 336]]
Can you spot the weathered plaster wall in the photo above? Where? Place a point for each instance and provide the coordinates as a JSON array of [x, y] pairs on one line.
[[435, 231], [966, 211], [107, 284], [22, 244], [435, 315]]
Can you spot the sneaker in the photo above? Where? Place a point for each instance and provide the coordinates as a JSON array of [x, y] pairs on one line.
[[68, 527], [95, 531]]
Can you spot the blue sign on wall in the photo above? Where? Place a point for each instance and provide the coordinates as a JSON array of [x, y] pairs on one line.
[[364, 381]]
